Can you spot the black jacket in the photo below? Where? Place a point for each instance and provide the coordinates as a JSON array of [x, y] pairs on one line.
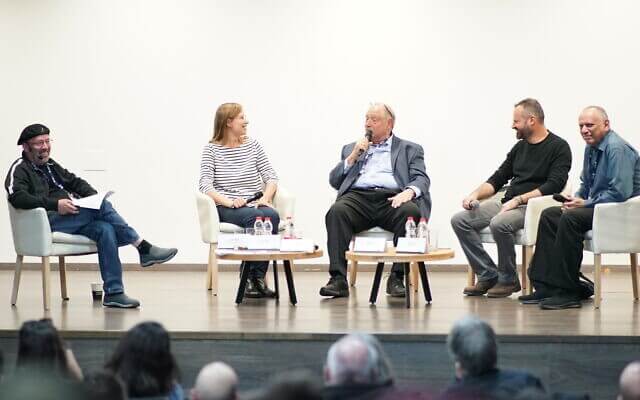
[[28, 187]]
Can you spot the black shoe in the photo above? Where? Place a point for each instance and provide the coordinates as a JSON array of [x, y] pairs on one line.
[[261, 286], [119, 300], [560, 302], [480, 288], [336, 287], [157, 255], [395, 286], [251, 291], [533, 298]]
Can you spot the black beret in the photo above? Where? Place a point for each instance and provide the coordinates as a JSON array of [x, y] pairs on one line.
[[32, 131]]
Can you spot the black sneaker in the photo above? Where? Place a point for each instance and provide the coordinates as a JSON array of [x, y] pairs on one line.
[[251, 291], [395, 286], [336, 287], [119, 300], [157, 255], [261, 286], [560, 302], [533, 298]]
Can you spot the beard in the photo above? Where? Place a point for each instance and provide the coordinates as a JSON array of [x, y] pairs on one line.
[[38, 157], [523, 133]]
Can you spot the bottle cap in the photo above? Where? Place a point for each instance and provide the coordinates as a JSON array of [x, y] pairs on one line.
[[423, 219], [409, 218], [258, 218], [267, 218]]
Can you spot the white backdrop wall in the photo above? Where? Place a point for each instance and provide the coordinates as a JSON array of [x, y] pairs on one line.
[[129, 89]]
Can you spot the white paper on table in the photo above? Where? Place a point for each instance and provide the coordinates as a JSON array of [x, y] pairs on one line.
[[370, 244], [411, 245], [93, 201], [305, 245]]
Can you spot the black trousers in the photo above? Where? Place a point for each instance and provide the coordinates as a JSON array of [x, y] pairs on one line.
[[359, 210], [555, 265]]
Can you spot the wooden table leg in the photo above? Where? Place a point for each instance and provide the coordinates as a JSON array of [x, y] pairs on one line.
[[244, 274], [376, 283], [289, 275], [425, 282], [407, 286], [276, 286]]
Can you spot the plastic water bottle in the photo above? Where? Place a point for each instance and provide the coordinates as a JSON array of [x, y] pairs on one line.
[[258, 226], [423, 229], [410, 228], [288, 229], [267, 226]]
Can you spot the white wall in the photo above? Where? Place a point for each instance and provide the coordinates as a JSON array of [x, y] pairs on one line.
[[131, 87]]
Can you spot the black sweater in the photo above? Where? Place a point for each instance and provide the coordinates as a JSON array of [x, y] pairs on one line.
[[544, 166]]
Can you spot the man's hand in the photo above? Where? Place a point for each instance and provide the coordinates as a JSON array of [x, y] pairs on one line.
[[401, 198], [574, 202], [238, 203], [510, 205], [360, 147], [263, 201], [66, 206], [466, 203]]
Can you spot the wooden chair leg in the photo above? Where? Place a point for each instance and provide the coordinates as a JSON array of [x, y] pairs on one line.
[[212, 270], [415, 276], [634, 274], [16, 279], [63, 278], [597, 258], [46, 283], [353, 270], [471, 277], [527, 254]]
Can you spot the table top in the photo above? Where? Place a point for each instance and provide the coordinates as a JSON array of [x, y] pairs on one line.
[[268, 255], [391, 256]]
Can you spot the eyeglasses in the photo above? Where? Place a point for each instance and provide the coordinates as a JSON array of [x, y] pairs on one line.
[[40, 143]]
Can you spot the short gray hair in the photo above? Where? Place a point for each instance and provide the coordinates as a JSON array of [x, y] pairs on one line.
[[472, 343], [216, 381], [357, 358], [532, 107], [599, 110], [630, 381]]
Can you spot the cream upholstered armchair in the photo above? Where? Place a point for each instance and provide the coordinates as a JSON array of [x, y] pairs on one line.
[[616, 229], [525, 237], [210, 227], [32, 236]]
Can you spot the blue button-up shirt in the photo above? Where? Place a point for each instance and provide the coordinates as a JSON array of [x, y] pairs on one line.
[[610, 171]]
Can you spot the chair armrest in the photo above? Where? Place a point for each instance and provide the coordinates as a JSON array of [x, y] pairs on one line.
[[208, 218], [31, 231], [616, 227], [284, 203], [535, 207]]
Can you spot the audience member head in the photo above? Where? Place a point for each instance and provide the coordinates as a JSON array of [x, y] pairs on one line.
[[216, 381], [293, 385], [35, 143], [472, 345], [104, 385], [594, 124], [357, 359], [380, 120], [528, 118], [630, 382], [229, 120], [144, 362], [41, 348]]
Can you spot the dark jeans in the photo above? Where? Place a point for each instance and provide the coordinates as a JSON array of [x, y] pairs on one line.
[[245, 217], [109, 230], [359, 210], [555, 265]]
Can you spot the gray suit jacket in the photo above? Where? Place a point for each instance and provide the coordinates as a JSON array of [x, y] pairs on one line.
[[407, 161]]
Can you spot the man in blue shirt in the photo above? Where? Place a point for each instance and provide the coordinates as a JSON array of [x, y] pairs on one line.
[[610, 174]]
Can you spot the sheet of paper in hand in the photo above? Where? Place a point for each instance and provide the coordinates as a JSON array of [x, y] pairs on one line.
[[93, 201]]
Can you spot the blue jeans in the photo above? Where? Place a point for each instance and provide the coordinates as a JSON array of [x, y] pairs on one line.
[[245, 217], [109, 230]]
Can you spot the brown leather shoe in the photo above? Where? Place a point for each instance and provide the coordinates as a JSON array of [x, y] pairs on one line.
[[504, 290], [480, 288]]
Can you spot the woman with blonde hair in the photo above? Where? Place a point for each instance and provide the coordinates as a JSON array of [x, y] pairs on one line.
[[233, 168]]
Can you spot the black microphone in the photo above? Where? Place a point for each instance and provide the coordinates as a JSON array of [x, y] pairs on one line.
[[368, 134], [254, 197]]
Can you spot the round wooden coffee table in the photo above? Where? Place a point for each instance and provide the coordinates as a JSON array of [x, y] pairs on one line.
[[391, 256], [274, 256]]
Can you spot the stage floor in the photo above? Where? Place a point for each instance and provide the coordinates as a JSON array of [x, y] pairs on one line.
[[180, 302]]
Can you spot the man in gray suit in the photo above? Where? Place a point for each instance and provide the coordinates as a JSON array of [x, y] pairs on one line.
[[381, 181]]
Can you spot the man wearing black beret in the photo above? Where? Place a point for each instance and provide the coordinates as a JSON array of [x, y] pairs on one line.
[[35, 180]]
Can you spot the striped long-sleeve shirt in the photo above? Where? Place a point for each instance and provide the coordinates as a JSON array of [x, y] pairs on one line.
[[235, 172]]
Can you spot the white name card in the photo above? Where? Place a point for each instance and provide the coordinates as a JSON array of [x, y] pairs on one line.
[[305, 245], [370, 245], [411, 245], [263, 242], [232, 240]]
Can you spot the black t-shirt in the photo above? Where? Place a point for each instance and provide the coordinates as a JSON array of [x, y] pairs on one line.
[[544, 166]]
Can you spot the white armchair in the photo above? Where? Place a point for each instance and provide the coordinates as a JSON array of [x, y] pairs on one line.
[[525, 237], [210, 227], [616, 229], [32, 236]]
